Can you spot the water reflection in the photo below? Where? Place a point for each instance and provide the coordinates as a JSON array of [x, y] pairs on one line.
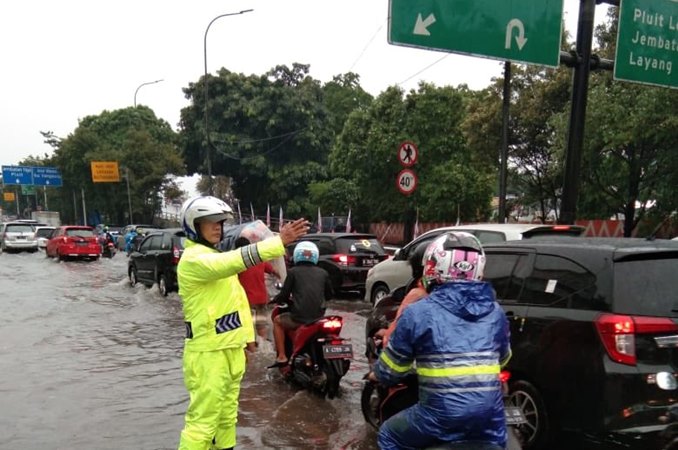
[[90, 362]]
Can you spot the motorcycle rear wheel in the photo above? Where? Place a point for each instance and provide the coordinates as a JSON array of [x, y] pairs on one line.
[[332, 380], [369, 403]]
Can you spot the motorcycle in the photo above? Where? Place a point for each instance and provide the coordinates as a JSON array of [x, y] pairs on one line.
[[378, 402], [317, 356], [107, 247]]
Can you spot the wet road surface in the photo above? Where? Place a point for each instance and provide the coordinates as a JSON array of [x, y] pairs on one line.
[[89, 362]]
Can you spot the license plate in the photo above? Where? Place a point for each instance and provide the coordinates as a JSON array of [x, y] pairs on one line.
[[21, 238], [514, 415], [369, 262], [338, 351]]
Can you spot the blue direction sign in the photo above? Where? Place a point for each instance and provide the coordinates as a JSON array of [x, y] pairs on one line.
[[47, 176], [17, 175]]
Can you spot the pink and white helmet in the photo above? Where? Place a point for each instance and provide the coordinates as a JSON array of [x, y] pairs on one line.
[[453, 257]]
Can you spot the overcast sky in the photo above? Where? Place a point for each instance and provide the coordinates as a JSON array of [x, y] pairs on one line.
[[64, 60]]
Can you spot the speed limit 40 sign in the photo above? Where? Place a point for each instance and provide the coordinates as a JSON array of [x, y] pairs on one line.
[[406, 181]]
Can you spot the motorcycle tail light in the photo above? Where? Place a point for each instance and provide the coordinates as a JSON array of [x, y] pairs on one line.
[[504, 376], [344, 260], [332, 325], [618, 333]]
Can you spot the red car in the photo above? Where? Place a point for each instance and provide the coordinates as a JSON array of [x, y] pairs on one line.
[[73, 241]]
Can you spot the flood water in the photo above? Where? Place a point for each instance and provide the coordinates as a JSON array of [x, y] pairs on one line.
[[89, 362]]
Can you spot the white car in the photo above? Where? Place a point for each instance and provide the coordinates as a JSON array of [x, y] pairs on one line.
[[18, 236], [395, 272], [42, 234]]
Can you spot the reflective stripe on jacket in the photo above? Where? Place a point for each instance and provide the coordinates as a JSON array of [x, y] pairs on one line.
[[214, 302], [454, 339]]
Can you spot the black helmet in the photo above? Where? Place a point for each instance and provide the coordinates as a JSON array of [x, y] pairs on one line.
[[416, 260]]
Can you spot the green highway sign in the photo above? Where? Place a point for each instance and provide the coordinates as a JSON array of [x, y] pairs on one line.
[[524, 31], [647, 42]]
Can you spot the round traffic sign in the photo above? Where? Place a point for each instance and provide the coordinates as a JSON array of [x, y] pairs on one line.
[[407, 153], [406, 181]]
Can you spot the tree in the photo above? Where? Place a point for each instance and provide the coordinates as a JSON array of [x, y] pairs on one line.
[[342, 96], [365, 154], [629, 162], [629, 156], [270, 134], [145, 148]]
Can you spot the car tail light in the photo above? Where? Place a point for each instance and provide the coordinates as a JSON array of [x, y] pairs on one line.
[[332, 325], [344, 260], [176, 254], [618, 333]]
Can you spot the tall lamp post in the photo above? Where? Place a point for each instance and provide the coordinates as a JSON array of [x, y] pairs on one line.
[[207, 135], [142, 85]]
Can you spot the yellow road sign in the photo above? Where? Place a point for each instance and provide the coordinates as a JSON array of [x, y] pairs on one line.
[[105, 172]]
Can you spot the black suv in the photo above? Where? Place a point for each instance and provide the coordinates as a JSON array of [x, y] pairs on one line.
[[156, 258], [346, 257], [594, 334]]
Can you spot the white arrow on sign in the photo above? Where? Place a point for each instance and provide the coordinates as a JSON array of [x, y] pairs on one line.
[[520, 39], [422, 24]]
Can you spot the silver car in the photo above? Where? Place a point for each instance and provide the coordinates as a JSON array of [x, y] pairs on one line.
[[395, 272], [18, 236]]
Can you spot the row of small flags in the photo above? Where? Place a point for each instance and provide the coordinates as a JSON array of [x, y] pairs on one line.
[[280, 218]]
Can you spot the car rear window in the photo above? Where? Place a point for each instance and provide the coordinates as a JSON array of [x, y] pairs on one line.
[[554, 231], [79, 232], [360, 245], [43, 232], [18, 228], [646, 287]]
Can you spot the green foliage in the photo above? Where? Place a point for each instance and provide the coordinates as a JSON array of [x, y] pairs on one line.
[[145, 149], [342, 96], [336, 196], [270, 134], [365, 154], [629, 159]]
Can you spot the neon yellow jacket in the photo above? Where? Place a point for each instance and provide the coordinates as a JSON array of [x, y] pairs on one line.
[[215, 305]]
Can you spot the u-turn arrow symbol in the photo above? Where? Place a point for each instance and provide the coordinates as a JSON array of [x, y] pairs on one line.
[[520, 39]]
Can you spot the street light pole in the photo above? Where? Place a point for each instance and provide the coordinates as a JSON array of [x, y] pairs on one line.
[[140, 86], [207, 135]]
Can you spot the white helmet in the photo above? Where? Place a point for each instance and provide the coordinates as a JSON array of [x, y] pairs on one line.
[[453, 257], [202, 207], [305, 251]]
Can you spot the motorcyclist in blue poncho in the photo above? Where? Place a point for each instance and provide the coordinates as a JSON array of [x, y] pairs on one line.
[[456, 339]]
